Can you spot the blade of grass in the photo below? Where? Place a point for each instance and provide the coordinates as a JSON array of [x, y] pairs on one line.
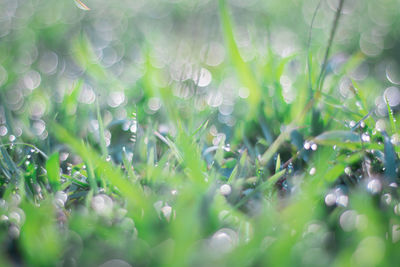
[[268, 184], [321, 77], [273, 148], [242, 69], [53, 171], [102, 137], [391, 118]]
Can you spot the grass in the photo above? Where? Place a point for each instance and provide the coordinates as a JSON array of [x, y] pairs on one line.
[[125, 146]]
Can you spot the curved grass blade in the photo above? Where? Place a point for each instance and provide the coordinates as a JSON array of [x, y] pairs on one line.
[[321, 77], [342, 136], [102, 137], [266, 157], [242, 69]]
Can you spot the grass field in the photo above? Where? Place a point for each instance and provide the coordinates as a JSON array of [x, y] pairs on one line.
[[199, 133]]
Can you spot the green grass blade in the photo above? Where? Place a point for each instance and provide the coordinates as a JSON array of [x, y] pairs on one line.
[[53, 171], [391, 117], [242, 69]]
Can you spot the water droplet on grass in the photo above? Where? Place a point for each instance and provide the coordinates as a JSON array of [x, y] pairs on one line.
[[374, 186], [3, 130], [330, 199], [225, 189], [365, 137], [307, 146], [314, 147]]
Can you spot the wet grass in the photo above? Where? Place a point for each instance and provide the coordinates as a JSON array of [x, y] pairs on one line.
[[300, 170]]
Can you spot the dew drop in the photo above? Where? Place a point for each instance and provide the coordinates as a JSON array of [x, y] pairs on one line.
[[330, 199], [374, 186], [225, 189], [307, 146], [314, 147]]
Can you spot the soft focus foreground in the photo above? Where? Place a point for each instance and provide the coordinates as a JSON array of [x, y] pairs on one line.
[[199, 133]]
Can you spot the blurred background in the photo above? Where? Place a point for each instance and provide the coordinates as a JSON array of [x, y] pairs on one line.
[[144, 52]]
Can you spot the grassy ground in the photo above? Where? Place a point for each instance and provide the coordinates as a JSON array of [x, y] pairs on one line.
[[199, 133]]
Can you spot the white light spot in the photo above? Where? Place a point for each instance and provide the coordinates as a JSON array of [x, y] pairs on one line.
[[393, 72], [330, 199], [48, 62], [12, 138], [314, 147], [3, 130], [392, 95], [365, 137], [374, 186], [202, 77], [32, 80], [87, 95], [307, 145], [116, 99], [214, 99], [225, 189]]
